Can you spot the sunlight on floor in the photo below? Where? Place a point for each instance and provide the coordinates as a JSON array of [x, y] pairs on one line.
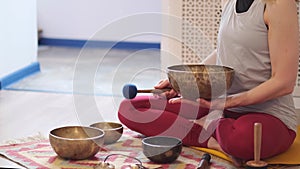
[[92, 71]]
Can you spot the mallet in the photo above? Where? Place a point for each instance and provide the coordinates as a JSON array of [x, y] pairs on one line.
[[130, 91], [204, 162], [257, 163]]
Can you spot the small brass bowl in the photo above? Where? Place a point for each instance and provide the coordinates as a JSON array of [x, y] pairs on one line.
[[162, 149], [194, 81], [113, 131], [76, 142]]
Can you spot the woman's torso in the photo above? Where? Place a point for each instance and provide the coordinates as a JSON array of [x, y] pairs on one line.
[[243, 45]]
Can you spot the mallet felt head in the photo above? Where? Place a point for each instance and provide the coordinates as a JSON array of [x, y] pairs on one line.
[[129, 91]]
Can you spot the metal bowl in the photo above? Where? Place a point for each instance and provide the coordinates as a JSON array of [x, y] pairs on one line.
[[113, 131], [76, 142], [194, 81], [162, 149]]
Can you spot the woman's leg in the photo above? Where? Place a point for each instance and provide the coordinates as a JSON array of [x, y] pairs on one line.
[[154, 116], [189, 111], [236, 136]]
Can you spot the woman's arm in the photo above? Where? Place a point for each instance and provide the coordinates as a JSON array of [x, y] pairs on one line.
[[282, 20], [211, 59]]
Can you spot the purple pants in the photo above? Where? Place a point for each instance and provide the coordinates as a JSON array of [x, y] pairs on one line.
[[234, 132]]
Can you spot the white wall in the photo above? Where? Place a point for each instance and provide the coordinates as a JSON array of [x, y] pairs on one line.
[[18, 35], [81, 19]]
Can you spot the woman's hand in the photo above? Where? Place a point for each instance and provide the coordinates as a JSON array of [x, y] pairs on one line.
[[166, 84], [215, 104], [182, 100]]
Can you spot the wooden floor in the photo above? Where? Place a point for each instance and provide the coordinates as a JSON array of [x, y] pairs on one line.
[[43, 101], [27, 114]]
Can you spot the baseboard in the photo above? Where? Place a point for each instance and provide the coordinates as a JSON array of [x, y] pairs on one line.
[[19, 74], [98, 44]]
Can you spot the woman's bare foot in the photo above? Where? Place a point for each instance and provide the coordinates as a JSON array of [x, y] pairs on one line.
[[213, 144], [237, 161], [200, 121]]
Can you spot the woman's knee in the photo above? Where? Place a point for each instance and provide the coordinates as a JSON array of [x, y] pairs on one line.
[[236, 137], [234, 140]]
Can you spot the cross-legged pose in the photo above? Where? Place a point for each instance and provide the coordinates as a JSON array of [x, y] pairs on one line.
[[259, 39]]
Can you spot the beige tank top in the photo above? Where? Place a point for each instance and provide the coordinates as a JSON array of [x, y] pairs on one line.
[[243, 45]]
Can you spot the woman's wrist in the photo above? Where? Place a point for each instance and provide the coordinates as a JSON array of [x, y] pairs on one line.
[[237, 100]]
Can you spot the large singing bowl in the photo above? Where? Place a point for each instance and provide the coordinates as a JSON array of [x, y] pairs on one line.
[[194, 81], [76, 142]]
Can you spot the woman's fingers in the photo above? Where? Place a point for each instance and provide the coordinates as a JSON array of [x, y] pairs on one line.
[[218, 104], [162, 84], [171, 94], [181, 100], [166, 84], [204, 103]]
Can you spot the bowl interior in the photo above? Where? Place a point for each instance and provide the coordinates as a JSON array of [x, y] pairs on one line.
[[161, 141], [200, 68], [106, 126], [76, 132], [113, 131]]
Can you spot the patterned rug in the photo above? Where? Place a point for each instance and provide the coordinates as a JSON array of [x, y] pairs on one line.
[[40, 155]]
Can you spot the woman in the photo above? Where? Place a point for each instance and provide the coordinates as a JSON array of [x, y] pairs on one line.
[[259, 39]]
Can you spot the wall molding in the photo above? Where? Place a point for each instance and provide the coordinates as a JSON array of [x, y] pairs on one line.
[[19, 74], [99, 44]]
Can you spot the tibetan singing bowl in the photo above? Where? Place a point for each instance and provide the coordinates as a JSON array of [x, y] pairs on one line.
[[76, 142], [113, 131], [162, 149], [194, 81]]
